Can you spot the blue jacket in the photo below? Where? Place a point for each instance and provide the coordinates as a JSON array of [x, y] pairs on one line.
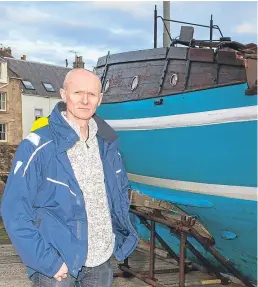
[[43, 207]]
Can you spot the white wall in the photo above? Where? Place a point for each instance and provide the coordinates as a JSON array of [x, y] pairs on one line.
[[29, 104], [3, 73]]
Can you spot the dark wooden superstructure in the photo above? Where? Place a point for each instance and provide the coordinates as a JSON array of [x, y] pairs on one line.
[[183, 67]]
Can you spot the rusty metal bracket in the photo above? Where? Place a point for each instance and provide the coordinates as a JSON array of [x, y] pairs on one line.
[[183, 238], [103, 77], [251, 76], [187, 72], [181, 229], [163, 75]]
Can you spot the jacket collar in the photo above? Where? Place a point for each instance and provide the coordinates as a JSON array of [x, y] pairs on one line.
[[65, 136]]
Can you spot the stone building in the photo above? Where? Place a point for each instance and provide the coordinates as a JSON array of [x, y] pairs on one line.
[[40, 87], [10, 117], [10, 106]]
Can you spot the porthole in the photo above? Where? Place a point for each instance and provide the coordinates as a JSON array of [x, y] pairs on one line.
[[106, 86], [135, 83], [173, 80]]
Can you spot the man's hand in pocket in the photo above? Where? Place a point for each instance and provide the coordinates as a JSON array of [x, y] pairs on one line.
[[62, 273]]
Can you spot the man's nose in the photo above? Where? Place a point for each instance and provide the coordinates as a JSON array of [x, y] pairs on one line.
[[85, 98]]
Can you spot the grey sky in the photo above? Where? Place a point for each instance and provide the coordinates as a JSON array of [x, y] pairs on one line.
[[48, 31]]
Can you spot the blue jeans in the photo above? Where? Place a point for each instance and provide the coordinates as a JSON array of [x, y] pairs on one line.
[[100, 276]]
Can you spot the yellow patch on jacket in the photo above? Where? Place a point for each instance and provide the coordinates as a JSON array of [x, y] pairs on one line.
[[39, 123]]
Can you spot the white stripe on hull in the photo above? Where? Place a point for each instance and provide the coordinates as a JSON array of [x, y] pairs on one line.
[[239, 192], [187, 120]]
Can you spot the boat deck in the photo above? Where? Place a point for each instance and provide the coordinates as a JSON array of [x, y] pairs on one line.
[[13, 271]]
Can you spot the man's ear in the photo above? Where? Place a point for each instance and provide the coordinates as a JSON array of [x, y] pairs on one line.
[[63, 94], [100, 99]]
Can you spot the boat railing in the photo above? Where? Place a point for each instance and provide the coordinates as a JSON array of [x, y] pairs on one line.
[[211, 27]]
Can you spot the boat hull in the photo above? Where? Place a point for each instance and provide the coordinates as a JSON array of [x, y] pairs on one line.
[[197, 150]]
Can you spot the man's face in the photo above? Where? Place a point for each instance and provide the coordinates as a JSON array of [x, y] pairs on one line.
[[82, 95]]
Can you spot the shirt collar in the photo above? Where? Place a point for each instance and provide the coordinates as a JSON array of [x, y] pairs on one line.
[[92, 125]]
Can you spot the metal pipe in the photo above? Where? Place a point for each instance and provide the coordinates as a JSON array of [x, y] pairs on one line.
[[211, 29], [162, 242], [155, 27], [182, 260], [166, 28], [181, 22], [141, 276], [198, 25], [211, 269], [152, 246], [217, 27]]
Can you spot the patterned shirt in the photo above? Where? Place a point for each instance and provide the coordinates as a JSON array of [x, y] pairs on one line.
[[87, 166]]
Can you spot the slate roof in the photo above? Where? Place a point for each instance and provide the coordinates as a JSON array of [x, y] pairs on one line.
[[38, 73]]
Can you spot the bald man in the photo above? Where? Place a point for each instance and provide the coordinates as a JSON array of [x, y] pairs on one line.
[[65, 206]]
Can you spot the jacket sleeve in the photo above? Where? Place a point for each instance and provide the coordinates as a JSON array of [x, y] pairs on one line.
[[18, 213]]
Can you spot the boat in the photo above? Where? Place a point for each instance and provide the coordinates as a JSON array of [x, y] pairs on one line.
[[186, 118]]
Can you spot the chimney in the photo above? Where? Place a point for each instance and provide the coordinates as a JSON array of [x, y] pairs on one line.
[[6, 52], [78, 63], [24, 58]]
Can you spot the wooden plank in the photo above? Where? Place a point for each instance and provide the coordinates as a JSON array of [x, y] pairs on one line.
[[201, 55], [123, 87], [131, 72], [178, 53], [201, 80], [99, 71], [198, 67], [228, 58], [147, 64], [176, 66], [134, 56], [231, 73]]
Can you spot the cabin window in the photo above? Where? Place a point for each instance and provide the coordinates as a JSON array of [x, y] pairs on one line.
[[173, 80], [135, 83], [106, 86]]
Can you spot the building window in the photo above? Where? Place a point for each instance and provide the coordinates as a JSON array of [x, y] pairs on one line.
[[48, 87], [28, 85], [3, 132], [3, 101], [38, 113]]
